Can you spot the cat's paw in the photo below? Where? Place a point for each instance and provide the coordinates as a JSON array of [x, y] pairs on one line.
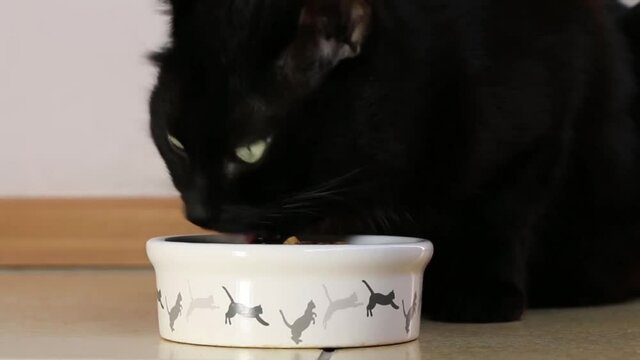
[[476, 306]]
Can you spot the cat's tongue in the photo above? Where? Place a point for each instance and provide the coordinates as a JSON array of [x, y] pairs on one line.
[[260, 238], [250, 238]]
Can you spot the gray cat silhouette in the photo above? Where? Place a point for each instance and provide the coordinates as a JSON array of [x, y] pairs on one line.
[[408, 315], [199, 303], [175, 311], [302, 323], [379, 299], [243, 310], [341, 304], [160, 298]]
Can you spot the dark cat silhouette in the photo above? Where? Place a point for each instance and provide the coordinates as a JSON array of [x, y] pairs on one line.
[[408, 315], [349, 302], [379, 299], [242, 310], [175, 311], [199, 303], [159, 296], [302, 323], [509, 129]]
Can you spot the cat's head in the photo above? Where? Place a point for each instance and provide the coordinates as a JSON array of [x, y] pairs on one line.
[[353, 297], [392, 295], [311, 305], [241, 110], [179, 298], [258, 310]]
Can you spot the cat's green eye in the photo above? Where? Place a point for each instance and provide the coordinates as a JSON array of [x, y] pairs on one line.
[[176, 145], [253, 152]]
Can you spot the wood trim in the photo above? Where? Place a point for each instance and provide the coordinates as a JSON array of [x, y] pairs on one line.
[[85, 232]]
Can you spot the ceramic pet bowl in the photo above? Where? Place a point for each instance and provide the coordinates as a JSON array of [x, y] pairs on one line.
[[358, 291]]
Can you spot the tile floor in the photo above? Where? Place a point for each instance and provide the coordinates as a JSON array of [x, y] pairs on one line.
[[110, 314]]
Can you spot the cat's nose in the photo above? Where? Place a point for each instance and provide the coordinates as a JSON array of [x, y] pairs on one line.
[[201, 215]]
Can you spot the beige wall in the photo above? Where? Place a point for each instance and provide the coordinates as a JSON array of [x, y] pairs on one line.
[[74, 83]]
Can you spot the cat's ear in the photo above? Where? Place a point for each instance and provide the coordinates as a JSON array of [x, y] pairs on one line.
[[176, 8], [339, 27], [329, 31], [178, 3]]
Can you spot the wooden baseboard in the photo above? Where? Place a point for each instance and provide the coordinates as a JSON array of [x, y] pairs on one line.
[[85, 232]]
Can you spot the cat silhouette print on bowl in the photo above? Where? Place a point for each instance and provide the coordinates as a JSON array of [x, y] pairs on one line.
[[325, 293]]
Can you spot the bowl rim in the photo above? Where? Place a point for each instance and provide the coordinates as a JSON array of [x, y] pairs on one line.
[[349, 241], [401, 254]]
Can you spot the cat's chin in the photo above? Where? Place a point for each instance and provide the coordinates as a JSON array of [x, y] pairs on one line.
[[250, 237], [263, 237], [325, 228], [278, 232]]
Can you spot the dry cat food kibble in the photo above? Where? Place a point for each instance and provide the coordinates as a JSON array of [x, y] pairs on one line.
[[292, 241]]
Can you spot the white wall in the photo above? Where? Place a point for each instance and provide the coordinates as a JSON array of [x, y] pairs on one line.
[[74, 83]]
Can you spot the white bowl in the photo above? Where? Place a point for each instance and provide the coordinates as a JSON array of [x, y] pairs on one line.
[[289, 296]]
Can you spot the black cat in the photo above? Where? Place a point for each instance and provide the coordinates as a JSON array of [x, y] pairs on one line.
[[507, 132], [242, 310], [379, 299]]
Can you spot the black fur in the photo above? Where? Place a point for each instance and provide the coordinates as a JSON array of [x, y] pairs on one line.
[[507, 132]]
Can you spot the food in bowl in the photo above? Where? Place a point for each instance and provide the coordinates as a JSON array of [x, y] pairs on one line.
[[292, 241]]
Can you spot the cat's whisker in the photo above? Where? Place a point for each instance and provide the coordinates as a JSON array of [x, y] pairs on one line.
[[410, 217], [310, 202], [372, 223], [325, 189], [395, 217], [312, 195], [296, 205], [386, 225], [274, 215], [302, 211], [337, 180]]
